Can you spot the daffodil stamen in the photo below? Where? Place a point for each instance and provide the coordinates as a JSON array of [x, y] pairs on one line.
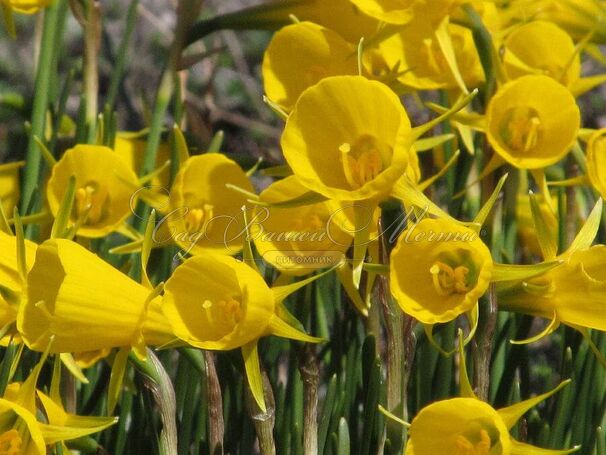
[[362, 161], [91, 203], [197, 219], [447, 280], [10, 443], [225, 313], [521, 128]]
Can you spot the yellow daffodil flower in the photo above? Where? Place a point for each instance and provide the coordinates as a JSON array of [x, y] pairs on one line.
[[541, 47], [106, 188], [572, 293], [596, 161], [299, 240], [439, 269], [204, 215], [9, 186], [470, 426], [532, 122], [84, 304], [299, 56], [349, 138], [219, 303]]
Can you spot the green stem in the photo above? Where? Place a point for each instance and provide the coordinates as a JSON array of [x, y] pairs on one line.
[[158, 382], [264, 421], [119, 65], [44, 77], [186, 13]]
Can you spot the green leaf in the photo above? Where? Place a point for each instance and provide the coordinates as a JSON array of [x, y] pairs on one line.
[[216, 143], [9, 21], [343, 444]]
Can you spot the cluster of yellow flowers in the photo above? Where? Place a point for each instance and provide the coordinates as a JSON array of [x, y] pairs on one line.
[[336, 75]]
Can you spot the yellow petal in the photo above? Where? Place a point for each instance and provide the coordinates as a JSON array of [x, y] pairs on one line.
[[253, 373], [439, 269], [521, 448], [299, 56], [513, 413]]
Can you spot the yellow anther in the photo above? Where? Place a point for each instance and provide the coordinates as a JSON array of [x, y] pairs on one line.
[[197, 218], [447, 280], [521, 129], [90, 203], [362, 161], [10, 443], [207, 304], [533, 134]]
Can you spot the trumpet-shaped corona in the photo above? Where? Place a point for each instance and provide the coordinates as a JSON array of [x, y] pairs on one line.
[[217, 302], [532, 122], [439, 270], [349, 138], [552, 53], [106, 188], [84, 304], [204, 215]]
